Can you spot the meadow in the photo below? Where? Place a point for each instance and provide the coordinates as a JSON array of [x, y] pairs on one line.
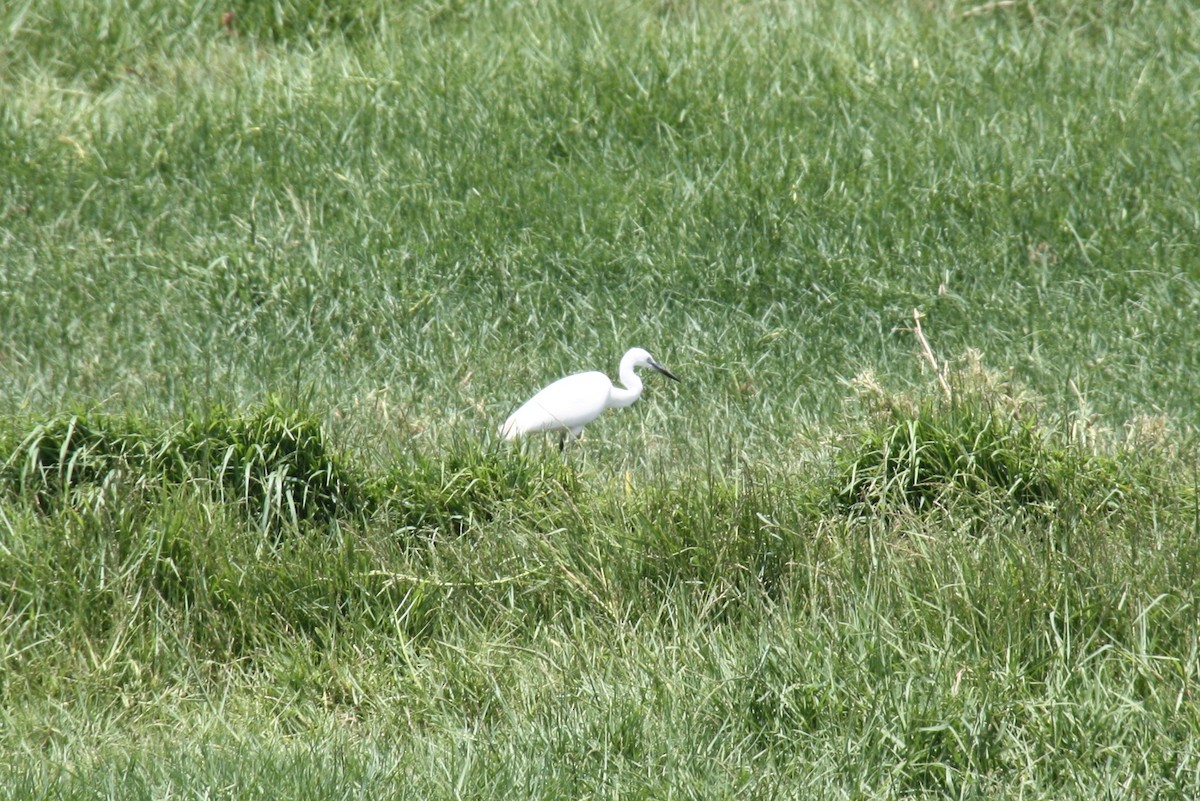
[[921, 520]]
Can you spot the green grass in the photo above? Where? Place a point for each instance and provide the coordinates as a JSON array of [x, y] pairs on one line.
[[270, 281]]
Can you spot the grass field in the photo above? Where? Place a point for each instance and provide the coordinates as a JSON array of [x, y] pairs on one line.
[[272, 273]]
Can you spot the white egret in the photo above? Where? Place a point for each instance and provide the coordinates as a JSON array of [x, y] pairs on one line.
[[570, 403]]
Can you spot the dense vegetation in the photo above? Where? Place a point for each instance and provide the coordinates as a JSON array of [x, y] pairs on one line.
[[922, 519]]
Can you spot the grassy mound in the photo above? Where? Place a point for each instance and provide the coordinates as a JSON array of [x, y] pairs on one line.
[[472, 485], [984, 443], [57, 459], [274, 461]]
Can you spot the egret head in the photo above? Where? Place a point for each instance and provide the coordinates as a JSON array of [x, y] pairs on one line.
[[640, 357]]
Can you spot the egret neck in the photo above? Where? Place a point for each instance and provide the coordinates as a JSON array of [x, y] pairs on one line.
[[620, 397]]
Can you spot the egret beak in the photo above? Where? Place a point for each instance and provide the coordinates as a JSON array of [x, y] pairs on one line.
[[663, 370]]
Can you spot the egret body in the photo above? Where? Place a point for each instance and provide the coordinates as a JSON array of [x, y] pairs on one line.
[[570, 403]]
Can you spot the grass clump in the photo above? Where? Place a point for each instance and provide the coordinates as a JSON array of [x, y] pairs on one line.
[[983, 441], [274, 460], [58, 460], [473, 484]]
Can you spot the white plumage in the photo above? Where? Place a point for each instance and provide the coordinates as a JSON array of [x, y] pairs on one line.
[[570, 403]]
